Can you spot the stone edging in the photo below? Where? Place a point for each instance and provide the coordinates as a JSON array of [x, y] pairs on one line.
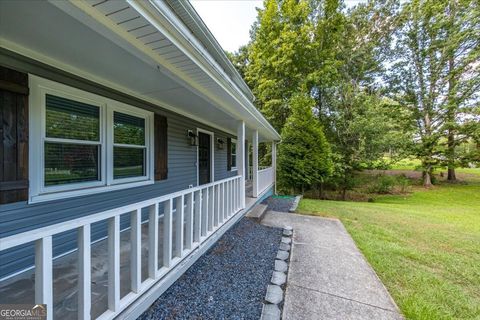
[[275, 290], [295, 203]]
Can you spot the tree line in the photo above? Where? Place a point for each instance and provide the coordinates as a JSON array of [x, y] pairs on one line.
[[347, 86]]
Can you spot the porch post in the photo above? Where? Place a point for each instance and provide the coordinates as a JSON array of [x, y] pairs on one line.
[[255, 163], [274, 165], [241, 160], [247, 161]]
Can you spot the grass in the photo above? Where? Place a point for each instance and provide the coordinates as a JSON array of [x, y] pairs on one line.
[[425, 246]]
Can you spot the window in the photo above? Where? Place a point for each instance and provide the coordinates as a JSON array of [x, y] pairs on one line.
[[85, 143], [72, 141], [128, 146], [233, 154]]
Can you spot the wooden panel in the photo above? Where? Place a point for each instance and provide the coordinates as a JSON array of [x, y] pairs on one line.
[[14, 136]]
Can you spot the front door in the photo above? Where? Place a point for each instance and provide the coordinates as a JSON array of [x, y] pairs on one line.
[[203, 158]]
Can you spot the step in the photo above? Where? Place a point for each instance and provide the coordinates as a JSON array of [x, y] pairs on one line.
[[257, 212]]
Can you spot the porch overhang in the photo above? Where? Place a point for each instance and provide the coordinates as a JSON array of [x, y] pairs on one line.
[[143, 49]]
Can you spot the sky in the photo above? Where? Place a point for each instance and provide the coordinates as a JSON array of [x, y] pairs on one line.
[[230, 20]]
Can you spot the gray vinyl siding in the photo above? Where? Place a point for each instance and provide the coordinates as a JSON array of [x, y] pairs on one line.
[[182, 173]]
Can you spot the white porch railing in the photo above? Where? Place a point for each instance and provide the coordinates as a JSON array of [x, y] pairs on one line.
[[200, 210], [250, 170], [265, 179]]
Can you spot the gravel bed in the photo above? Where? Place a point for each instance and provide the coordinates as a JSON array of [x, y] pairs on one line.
[[227, 282], [279, 203]]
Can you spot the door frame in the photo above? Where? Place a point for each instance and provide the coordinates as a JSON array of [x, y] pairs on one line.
[[212, 153]]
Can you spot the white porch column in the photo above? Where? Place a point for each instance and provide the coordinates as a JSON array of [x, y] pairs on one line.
[[241, 160], [255, 163], [274, 164], [247, 162]]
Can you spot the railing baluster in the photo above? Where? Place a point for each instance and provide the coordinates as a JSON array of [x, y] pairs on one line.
[[235, 195], [204, 211], [221, 207], [153, 241], [135, 250], [114, 263], [198, 215], [179, 227], [189, 222], [231, 197], [167, 233], [211, 207], [43, 274], [225, 204], [217, 205], [227, 196], [84, 273]]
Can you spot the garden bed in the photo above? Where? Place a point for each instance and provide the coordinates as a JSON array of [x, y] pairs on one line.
[[228, 282]]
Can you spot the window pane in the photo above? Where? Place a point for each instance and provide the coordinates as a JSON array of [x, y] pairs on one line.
[[128, 162], [128, 129], [71, 163], [69, 119], [234, 161]]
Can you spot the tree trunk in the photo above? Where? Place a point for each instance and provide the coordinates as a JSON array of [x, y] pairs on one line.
[[451, 108], [427, 176], [344, 190], [451, 156]]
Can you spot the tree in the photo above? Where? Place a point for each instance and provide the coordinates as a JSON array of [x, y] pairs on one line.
[[304, 157], [279, 56], [434, 73]]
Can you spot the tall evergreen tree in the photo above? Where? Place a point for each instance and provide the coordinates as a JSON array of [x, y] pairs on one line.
[[304, 157]]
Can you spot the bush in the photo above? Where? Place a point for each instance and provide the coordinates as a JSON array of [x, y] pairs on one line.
[[403, 183], [383, 185]]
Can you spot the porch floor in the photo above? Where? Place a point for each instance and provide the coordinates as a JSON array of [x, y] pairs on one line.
[[20, 288]]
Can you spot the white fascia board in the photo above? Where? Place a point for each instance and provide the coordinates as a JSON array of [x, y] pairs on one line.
[[213, 44]]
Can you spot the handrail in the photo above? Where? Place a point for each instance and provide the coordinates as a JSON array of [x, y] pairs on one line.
[[29, 236], [200, 212]]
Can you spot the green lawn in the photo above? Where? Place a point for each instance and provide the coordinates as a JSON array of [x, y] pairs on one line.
[[425, 247]]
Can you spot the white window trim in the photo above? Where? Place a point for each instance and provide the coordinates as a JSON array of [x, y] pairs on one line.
[[39, 87], [212, 155], [232, 154]]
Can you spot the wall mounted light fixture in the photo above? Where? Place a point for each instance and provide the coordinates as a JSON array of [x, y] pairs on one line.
[[220, 143], [193, 138]]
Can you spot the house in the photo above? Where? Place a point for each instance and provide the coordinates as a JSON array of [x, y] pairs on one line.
[[119, 118]]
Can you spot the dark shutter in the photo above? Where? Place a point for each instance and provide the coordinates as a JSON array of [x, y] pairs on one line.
[[229, 154], [14, 136], [161, 147]]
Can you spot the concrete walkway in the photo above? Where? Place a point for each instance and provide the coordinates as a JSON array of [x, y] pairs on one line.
[[328, 277]]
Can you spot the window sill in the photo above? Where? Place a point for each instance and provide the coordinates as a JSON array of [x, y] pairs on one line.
[[233, 169], [87, 191]]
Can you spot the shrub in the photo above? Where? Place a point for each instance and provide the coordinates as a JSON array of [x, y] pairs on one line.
[[403, 183], [383, 185]]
